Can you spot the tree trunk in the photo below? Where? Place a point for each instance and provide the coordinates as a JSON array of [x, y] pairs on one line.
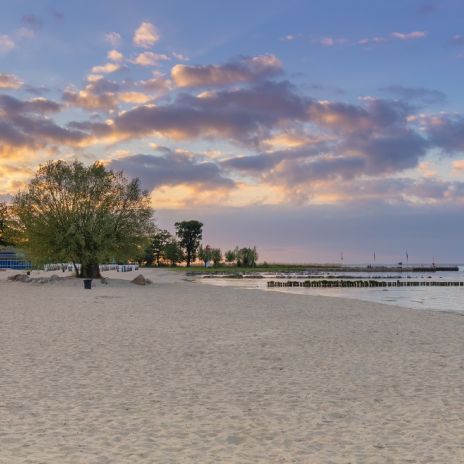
[[188, 259], [90, 271]]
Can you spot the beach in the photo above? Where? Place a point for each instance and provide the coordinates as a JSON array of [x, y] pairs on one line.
[[180, 372]]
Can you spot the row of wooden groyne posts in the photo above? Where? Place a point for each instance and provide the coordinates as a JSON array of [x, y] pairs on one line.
[[363, 283]]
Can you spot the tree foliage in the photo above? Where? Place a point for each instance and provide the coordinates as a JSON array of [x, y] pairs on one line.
[[160, 239], [229, 256], [205, 254], [246, 256], [82, 214], [173, 252], [190, 234], [216, 256], [4, 214]]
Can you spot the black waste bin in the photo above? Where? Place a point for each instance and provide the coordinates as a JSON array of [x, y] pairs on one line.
[[88, 284]]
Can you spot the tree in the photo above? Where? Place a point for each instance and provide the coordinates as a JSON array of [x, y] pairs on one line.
[[247, 257], [230, 256], [173, 252], [216, 256], [205, 254], [4, 214], [161, 238], [190, 234], [82, 214]]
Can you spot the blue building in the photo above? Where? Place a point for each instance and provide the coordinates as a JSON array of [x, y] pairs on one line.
[[11, 259]]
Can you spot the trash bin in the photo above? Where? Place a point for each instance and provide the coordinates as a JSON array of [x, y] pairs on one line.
[[88, 284]]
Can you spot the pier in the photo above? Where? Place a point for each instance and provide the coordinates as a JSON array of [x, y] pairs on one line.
[[363, 283]]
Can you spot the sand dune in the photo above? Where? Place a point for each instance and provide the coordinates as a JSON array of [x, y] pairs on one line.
[[178, 372]]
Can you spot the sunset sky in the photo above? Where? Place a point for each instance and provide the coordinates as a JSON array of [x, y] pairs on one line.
[[303, 127]]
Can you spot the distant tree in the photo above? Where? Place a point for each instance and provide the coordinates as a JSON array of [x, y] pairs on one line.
[[205, 254], [216, 256], [229, 256], [160, 239], [146, 256], [4, 214], [190, 234], [173, 252], [247, 257], [82, 214]]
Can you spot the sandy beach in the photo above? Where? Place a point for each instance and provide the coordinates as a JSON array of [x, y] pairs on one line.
[[180, 372]]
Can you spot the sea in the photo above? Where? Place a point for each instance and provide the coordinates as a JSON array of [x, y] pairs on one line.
[[449, 299]]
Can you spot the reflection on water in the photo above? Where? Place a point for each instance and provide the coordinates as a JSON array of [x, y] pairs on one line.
[[436, 298]]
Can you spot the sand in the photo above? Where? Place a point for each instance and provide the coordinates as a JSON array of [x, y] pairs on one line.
[[181, 372]]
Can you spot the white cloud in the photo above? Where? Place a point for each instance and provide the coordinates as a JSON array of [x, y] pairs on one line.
[[113, 38], [146, 35], [150, 59], [409, 36], [180, 56], [6, 43]]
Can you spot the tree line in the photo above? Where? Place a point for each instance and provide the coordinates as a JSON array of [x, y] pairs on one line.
[[89, 215], [186, 246]]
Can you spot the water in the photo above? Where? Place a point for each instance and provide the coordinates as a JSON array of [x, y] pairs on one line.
[[431, 298]]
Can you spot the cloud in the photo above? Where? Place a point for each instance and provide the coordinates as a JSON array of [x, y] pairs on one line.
[[244, 69], [420, 94], [372, 40], [113, 38], [133, 97], [331, 41], [6, 43], [288, 38], [372, 140], [114, 55], [31, 22], [170, 167], [156, 86], [24, 124], [150, 59], [458, 165], [98, 94], [446, 132], [409, 35], [146, 35], [242, 115], [14, 106], [427, 9], [57, 15], [457, 40], [106, 68], [9, 81], [180, 56]]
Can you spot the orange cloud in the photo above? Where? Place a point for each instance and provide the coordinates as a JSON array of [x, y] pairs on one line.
[[150, 59], [246, 69], [146, 35], [106, 68], [114, 55], [9, 81]]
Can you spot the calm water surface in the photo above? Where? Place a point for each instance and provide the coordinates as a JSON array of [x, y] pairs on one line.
[[435, 298]]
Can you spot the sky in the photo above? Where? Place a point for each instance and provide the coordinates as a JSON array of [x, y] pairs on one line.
[[307, 128]]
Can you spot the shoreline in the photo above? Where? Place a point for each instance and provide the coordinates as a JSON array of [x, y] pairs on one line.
[[180, 372]]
